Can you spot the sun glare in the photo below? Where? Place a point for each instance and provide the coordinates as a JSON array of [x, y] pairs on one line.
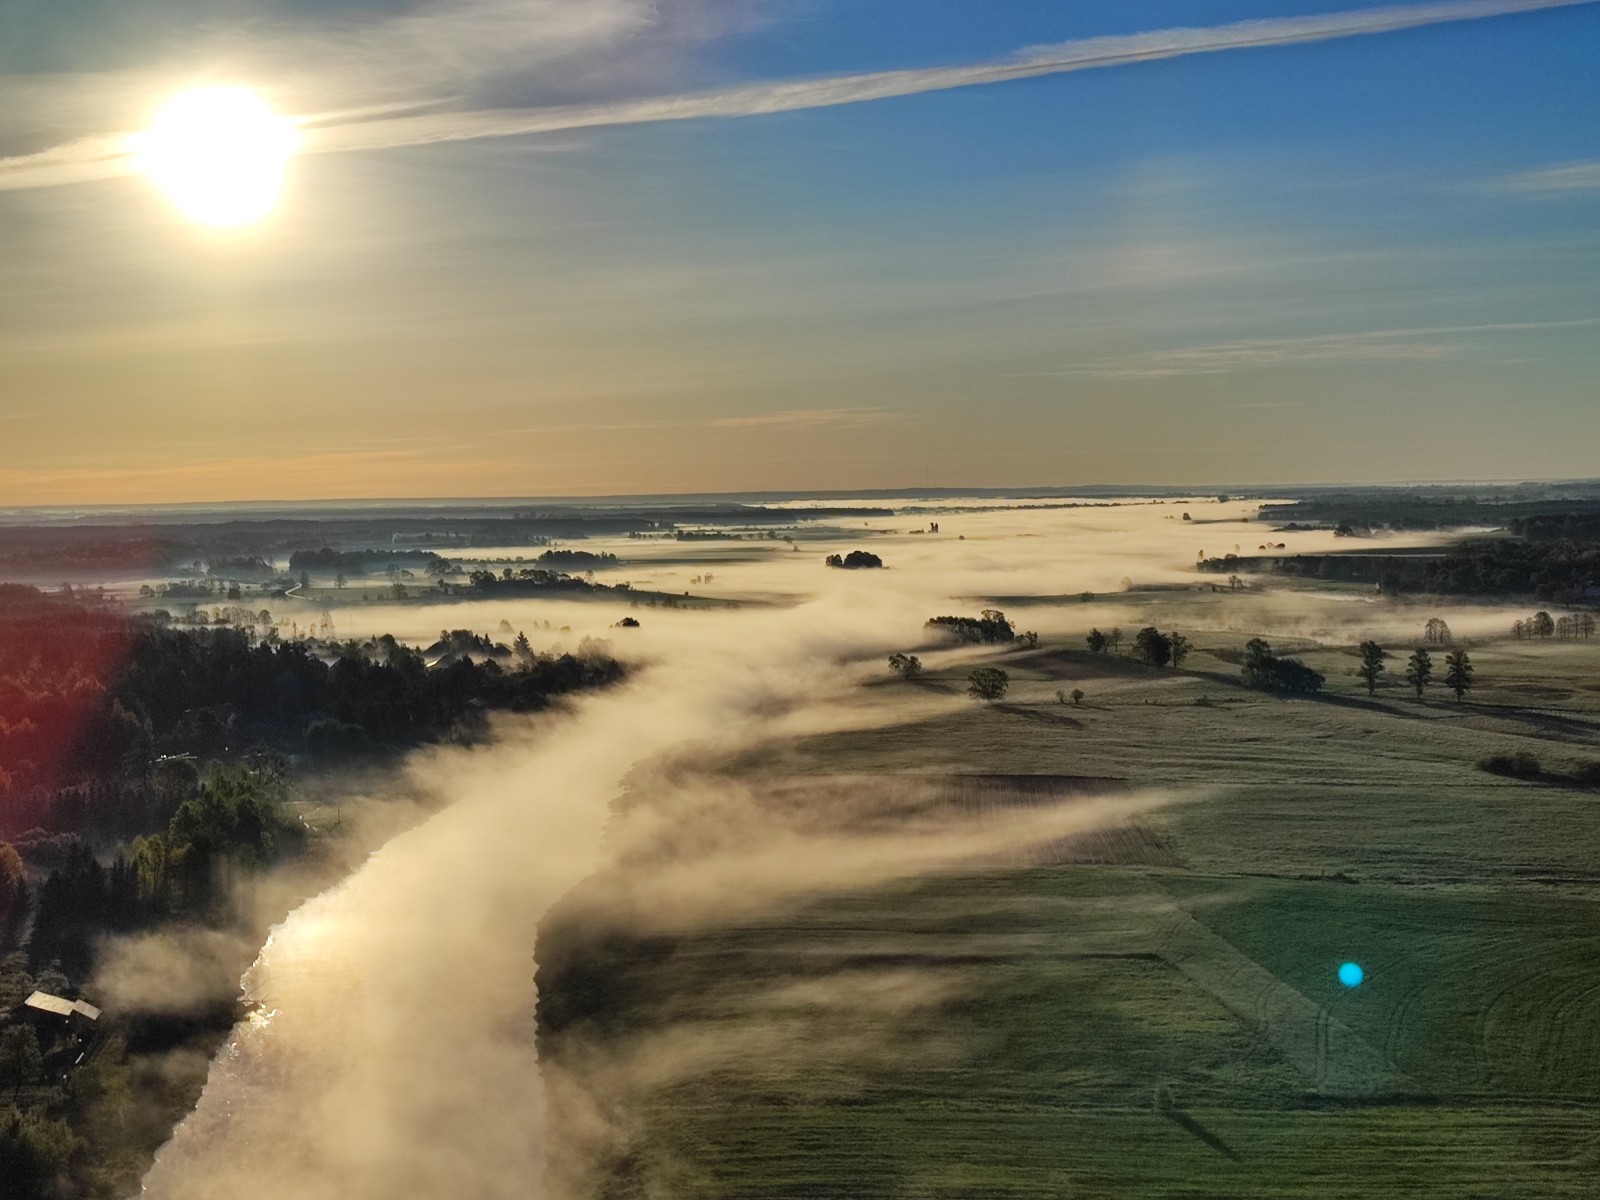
[[219, 154]]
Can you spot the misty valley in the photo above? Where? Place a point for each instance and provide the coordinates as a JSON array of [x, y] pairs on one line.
[[1086, 843], [799, 600]]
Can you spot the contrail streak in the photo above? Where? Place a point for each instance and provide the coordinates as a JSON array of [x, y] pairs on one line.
[[90, 158]]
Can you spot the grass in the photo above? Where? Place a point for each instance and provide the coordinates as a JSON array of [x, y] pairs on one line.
[[1046, 1009], [972, 1149]]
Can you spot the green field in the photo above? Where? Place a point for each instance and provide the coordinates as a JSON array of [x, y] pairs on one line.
[[1130, 1029]]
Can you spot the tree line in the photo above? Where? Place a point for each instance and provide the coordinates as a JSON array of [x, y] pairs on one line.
[[1562, 571], [990, 627], [364, 562], [1458, 669], [1568, 627]]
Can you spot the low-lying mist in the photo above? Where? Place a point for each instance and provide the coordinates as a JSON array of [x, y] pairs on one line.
[[394, 1049], [1036, 563]]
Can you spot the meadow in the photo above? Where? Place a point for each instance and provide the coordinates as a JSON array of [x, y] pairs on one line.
[[1162, 1024]]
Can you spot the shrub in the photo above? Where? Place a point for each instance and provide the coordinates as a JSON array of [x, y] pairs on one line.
[[1520, 765], [1587, 775], [854, 561], [1287, 676]]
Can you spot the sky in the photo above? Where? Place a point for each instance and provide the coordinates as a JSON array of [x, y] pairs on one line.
[[595, 247]]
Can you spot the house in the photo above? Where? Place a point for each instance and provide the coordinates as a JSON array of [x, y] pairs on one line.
[[44, 1002]]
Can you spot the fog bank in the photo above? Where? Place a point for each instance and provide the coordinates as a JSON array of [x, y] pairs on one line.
[[394, 1052]]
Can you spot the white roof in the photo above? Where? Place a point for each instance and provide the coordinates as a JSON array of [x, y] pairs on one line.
[[45, 1002]]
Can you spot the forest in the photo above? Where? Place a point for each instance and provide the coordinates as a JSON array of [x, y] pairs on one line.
[[89, 697], [1439, 508], [53, 551], [366, 562], [1562, 571], [146, 775]]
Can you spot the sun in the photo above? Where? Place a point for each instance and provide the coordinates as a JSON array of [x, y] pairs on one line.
[[219, 153]]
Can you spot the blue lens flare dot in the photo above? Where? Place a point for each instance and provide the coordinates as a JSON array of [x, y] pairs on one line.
[[1351, 974]]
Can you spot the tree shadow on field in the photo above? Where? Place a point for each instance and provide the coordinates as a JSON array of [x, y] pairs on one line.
[[1546, 723], [1368, 704], [1356, 703], [1040, 716], [1184, 1121], [1082, 664]]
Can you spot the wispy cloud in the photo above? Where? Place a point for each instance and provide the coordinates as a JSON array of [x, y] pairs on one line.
[[1562, 180], [810, 418], [1368, 346], [597, 427], [89, 158]]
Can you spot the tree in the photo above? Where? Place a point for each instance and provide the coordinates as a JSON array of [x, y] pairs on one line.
[[1257, 655], [339, 580], [1419, 670], [1458, 673], [1372, 656], [20, 1060], [1031, 637], [34, 1153], [988, 683], [1542, 625], [1077, 695], [522, 648], [1436, 632], [1153, 646], [1180, 647], [907, 666], [236, 816], [1097, 641], [1115, 636], [305, 580], [151, 865], [13, 885]]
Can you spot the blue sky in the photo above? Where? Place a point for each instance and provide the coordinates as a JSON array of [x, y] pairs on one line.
[[1365, 258]]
